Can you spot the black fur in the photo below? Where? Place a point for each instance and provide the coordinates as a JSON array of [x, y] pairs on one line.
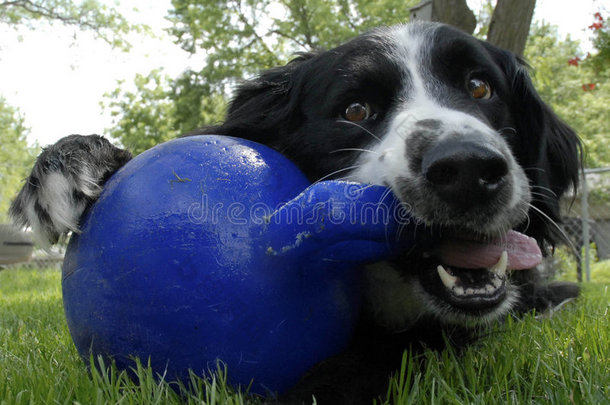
[[277, 109], [297, 109]]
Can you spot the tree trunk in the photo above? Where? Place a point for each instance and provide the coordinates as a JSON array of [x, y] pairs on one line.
[[456, 13], [510, 24], [452, 12]]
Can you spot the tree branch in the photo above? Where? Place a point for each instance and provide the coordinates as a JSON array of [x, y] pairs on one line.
[[290, 37], [41, 11], [304, 17], [299, 11], [247, 23], [96, 21], [345, 11]]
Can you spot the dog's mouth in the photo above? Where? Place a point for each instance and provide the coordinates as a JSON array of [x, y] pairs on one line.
[[473, 289], [471, 274]]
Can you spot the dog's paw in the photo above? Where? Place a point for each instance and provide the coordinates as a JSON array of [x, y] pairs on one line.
[[66, 178], [556, 295], [546, 299]]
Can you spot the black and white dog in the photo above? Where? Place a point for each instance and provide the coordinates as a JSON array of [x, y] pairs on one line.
[[451, 124]]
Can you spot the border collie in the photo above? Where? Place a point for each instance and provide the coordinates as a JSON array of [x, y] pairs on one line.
[[451, 124]]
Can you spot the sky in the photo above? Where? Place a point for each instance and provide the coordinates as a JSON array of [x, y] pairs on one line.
[[57, 77]]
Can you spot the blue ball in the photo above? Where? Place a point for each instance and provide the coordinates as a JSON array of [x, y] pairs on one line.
[[185, 261]]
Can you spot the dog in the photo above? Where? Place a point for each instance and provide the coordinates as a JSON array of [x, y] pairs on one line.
[[451, 124]]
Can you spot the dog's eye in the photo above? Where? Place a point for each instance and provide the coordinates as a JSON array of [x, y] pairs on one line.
[[479, 89], [357, 112]]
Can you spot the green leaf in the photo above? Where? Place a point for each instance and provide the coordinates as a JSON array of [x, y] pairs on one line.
[[16, 157]]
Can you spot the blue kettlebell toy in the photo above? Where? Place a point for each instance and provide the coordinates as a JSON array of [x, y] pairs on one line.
[[211, 248]]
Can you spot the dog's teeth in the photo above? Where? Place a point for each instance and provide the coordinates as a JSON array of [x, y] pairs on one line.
[[458, 291], [499, 269], [447, 279]]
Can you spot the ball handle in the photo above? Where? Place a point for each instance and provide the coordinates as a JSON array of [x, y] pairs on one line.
[[340, 221]]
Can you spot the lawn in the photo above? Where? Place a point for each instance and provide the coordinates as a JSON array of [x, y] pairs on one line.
[[562, 359]]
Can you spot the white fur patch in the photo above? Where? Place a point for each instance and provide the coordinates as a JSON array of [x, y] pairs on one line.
[[56, 198], [411, 45], [39, 235], [87, 182], [397, 302]]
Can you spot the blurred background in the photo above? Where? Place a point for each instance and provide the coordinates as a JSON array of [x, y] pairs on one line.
[[142, 72]]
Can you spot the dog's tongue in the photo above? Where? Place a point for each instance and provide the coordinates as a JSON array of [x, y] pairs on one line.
[[523, 252]]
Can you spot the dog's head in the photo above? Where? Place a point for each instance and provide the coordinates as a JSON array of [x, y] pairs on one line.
[[451, 124]]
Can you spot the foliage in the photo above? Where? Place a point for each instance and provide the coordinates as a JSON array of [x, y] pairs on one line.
[[150, 108], [484, 19], [105, 22], [564, 359], [15, 155], [162, 108], [242, 37], [92, 15], [16, 158], [600, 62], [237, 38], [600, 272], [579, 93]]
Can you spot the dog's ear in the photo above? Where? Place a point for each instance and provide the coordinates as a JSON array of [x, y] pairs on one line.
[[559, 148], [550, 149], [268, 104]]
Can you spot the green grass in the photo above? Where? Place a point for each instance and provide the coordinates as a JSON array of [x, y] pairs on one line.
[[563, 359], [600, 272], [39, 364]]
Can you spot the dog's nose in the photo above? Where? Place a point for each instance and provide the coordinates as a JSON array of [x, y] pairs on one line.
[[465, 173]]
